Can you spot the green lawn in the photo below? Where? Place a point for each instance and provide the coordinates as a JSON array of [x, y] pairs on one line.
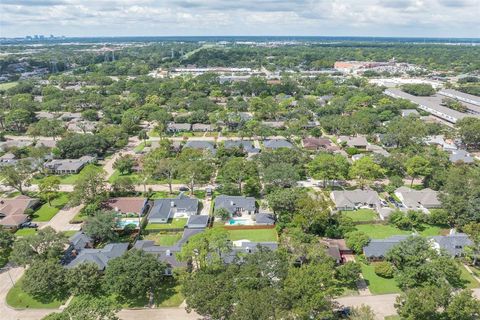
[[8, 85], [173, 224], [164, 238], [361, 215], [69, 233], [47, 212], [470, 281], [141, 146], [381, 231], [25, 232], [169, 294], [17, 298], [430, 231], [254, 235], [64, 179], [376, 284]]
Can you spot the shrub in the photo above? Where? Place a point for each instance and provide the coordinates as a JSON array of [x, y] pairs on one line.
[[356, 240], [384, 269]]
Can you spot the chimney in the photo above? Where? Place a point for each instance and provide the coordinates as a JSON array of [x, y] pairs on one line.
[[231, 203], [168, 253], [172, 203]]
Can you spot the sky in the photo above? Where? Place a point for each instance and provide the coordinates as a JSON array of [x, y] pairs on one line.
[[407, 18]]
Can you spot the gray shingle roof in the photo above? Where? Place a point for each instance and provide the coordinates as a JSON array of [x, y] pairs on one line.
[[264, 218], [100, 257], [247, 247], [427, 198], [378, 248], [277, 143], [195, 220], [231, 203], [247, 145], [201, 145], [166, 208], [80, 240], [453, 243], [354, 198]]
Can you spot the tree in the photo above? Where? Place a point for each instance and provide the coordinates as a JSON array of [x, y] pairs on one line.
[[463, 306], [45, 244], [84, 279], [47, 128], [312, 213], [469, 131], [420, 303], [473, 231], [384, 269], [283, 202], [123, 186], [101, 226], [141, 274], [417, 166], [90, 187], [363, 312], [365, 170], [49, 187], [222, 213], [6, 239], [206, 248], [404, 132], [74, 146], [17, 176], [45, 277], [419, 89], [237, 170], [124, 164], [326, 166], [194, 168], [87, 308], [281, 175], [357, 240]]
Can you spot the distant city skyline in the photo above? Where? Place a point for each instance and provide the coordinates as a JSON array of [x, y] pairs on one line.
[[391, 18]]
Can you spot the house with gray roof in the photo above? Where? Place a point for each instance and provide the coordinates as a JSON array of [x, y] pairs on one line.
[[180, 207], [244, 247], [236, 205], [418, 199], [355, 199], [264, 219], [100, 257], [202, 127], [80, 241], [409, 112], [178, 127], [246, 145], [201, 145], [8, 159], [460, 156], [453, 244], [274, 144], [68, 166]]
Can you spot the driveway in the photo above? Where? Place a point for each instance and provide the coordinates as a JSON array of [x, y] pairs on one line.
[[61, 221]]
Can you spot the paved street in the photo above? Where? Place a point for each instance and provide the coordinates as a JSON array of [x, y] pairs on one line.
[[158, 314]]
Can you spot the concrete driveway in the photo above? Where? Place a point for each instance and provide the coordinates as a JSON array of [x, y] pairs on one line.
[[61, 221]]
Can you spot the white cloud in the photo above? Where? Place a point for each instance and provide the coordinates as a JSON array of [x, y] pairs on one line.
[[452, 18]]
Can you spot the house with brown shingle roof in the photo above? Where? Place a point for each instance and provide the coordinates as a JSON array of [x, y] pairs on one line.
[[13, 211], [127, 205], [317, 144]]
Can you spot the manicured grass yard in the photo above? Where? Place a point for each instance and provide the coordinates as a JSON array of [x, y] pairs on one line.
[[254, 235], [8, 85], [164, 238], [470, 281], [170, 294], [17, 298], [173, 224], [376, 284], [25, 232], [64, 179], [381, 231], [361, 215], [47, 212]]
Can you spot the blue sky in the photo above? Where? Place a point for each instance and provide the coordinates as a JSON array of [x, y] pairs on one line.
[[412, 18]]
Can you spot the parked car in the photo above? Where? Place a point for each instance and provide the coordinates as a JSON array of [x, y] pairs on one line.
[[29, 224], [183, 188]]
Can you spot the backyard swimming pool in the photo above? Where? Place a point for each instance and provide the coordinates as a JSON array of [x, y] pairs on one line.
[[122, 223], [239, 222]]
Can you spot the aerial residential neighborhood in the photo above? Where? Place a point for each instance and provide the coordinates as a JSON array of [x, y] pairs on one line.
[[154, 167]]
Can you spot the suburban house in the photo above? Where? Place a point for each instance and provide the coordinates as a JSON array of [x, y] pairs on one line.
[[100, 257], [359, 142], [8, 159], [68, 166], [179, 207], [178, 127], [355, 199], [201, 145], [409, 112], [242, 248], [80, 241], [274, 124], [336, 249], [418, 199], [274, 144], [13, 212], [318, 144], [127, 205], [460, 156], [453, 244], [20, 143], [246, 145], [236, 205], [202, 127]]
